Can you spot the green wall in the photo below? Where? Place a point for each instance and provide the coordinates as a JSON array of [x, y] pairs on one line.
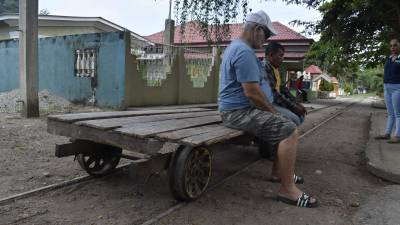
[[175, 90]]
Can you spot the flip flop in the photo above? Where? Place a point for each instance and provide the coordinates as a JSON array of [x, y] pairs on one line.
[[382, 137], [303, 201], [394, 140], [297, 179]]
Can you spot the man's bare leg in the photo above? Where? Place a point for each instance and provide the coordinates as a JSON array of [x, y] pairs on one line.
[[286, 158]]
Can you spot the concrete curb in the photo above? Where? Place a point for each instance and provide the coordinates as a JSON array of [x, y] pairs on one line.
[[378, 104], [383, 159]]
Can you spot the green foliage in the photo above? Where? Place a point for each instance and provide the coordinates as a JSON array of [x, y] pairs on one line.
[[360, 29], [354, 38], [372, 79], [8, 6], [327, 55], [11, 6], [325, 86], [217, 13], [354, 34], [348, 88]]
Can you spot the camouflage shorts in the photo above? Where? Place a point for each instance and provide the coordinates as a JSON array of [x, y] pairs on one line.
[[264, 125]]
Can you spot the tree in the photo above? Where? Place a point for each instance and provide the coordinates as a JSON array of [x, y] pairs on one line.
[[328, 55], [8, 6], [354, 38], [326, 86], [217, 13], [11, 6], [354, 34], [372, 79], [360, 28]]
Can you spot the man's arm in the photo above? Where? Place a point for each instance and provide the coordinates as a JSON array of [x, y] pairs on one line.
[[254, 93], [282, 99]]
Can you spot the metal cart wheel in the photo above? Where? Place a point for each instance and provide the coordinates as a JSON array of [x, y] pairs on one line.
[[189, 173], [100, 162]]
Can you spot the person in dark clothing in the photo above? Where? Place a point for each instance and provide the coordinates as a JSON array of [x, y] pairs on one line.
[[300, 89], [391, 83], [284, 101]]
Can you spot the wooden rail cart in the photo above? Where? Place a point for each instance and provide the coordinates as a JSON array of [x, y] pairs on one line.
[[179, 139]]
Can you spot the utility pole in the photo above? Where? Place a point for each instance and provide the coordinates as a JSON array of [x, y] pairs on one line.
[[169, 29], [28, 57], [170, 6], [169, 40]]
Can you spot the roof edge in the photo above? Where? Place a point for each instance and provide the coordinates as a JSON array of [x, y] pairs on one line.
[[15, 16]]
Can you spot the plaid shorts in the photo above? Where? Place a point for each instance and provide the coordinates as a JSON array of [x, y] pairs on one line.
[[268, 127]]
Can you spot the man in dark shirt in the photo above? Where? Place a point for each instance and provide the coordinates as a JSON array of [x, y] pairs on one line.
[[284, 102]]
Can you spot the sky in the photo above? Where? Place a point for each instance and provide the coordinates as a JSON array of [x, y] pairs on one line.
[[146, 17]]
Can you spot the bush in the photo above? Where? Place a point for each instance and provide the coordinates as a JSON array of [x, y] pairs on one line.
[[326, 86], [372, 79], [379, 90], [348, 88]]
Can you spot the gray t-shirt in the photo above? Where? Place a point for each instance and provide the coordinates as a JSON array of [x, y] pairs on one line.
[[240, 65]]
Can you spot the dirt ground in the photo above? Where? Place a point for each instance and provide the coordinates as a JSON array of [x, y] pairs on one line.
[[332, 162], [330, 159], [27, 153]]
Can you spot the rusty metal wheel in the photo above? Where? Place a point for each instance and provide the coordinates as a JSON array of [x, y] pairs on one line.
[[101, 162], [190, 173]]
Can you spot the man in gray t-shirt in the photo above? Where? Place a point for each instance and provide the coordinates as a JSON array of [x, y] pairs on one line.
[[245, 103], [240, 65]]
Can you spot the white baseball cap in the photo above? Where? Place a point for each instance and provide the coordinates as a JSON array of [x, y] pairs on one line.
[[263, 19]]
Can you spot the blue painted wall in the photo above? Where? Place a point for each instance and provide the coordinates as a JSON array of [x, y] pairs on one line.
[[56, 67], [9, 69]]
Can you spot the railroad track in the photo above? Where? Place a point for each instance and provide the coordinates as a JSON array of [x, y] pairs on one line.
[[86, 178], [245, 168]]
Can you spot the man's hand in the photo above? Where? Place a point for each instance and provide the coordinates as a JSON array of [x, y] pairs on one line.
[[257, 97]]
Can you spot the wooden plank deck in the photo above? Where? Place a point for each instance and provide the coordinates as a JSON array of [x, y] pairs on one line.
[[205, 105], [74, 117], [187, 132], [134, 130], [112, 123], [143, 130]]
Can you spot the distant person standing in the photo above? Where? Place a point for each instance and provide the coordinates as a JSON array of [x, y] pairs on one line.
[[391, 84], [299, 84]]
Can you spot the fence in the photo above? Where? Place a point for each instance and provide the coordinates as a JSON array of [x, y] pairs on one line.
[[170, 75], [100, 69]]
